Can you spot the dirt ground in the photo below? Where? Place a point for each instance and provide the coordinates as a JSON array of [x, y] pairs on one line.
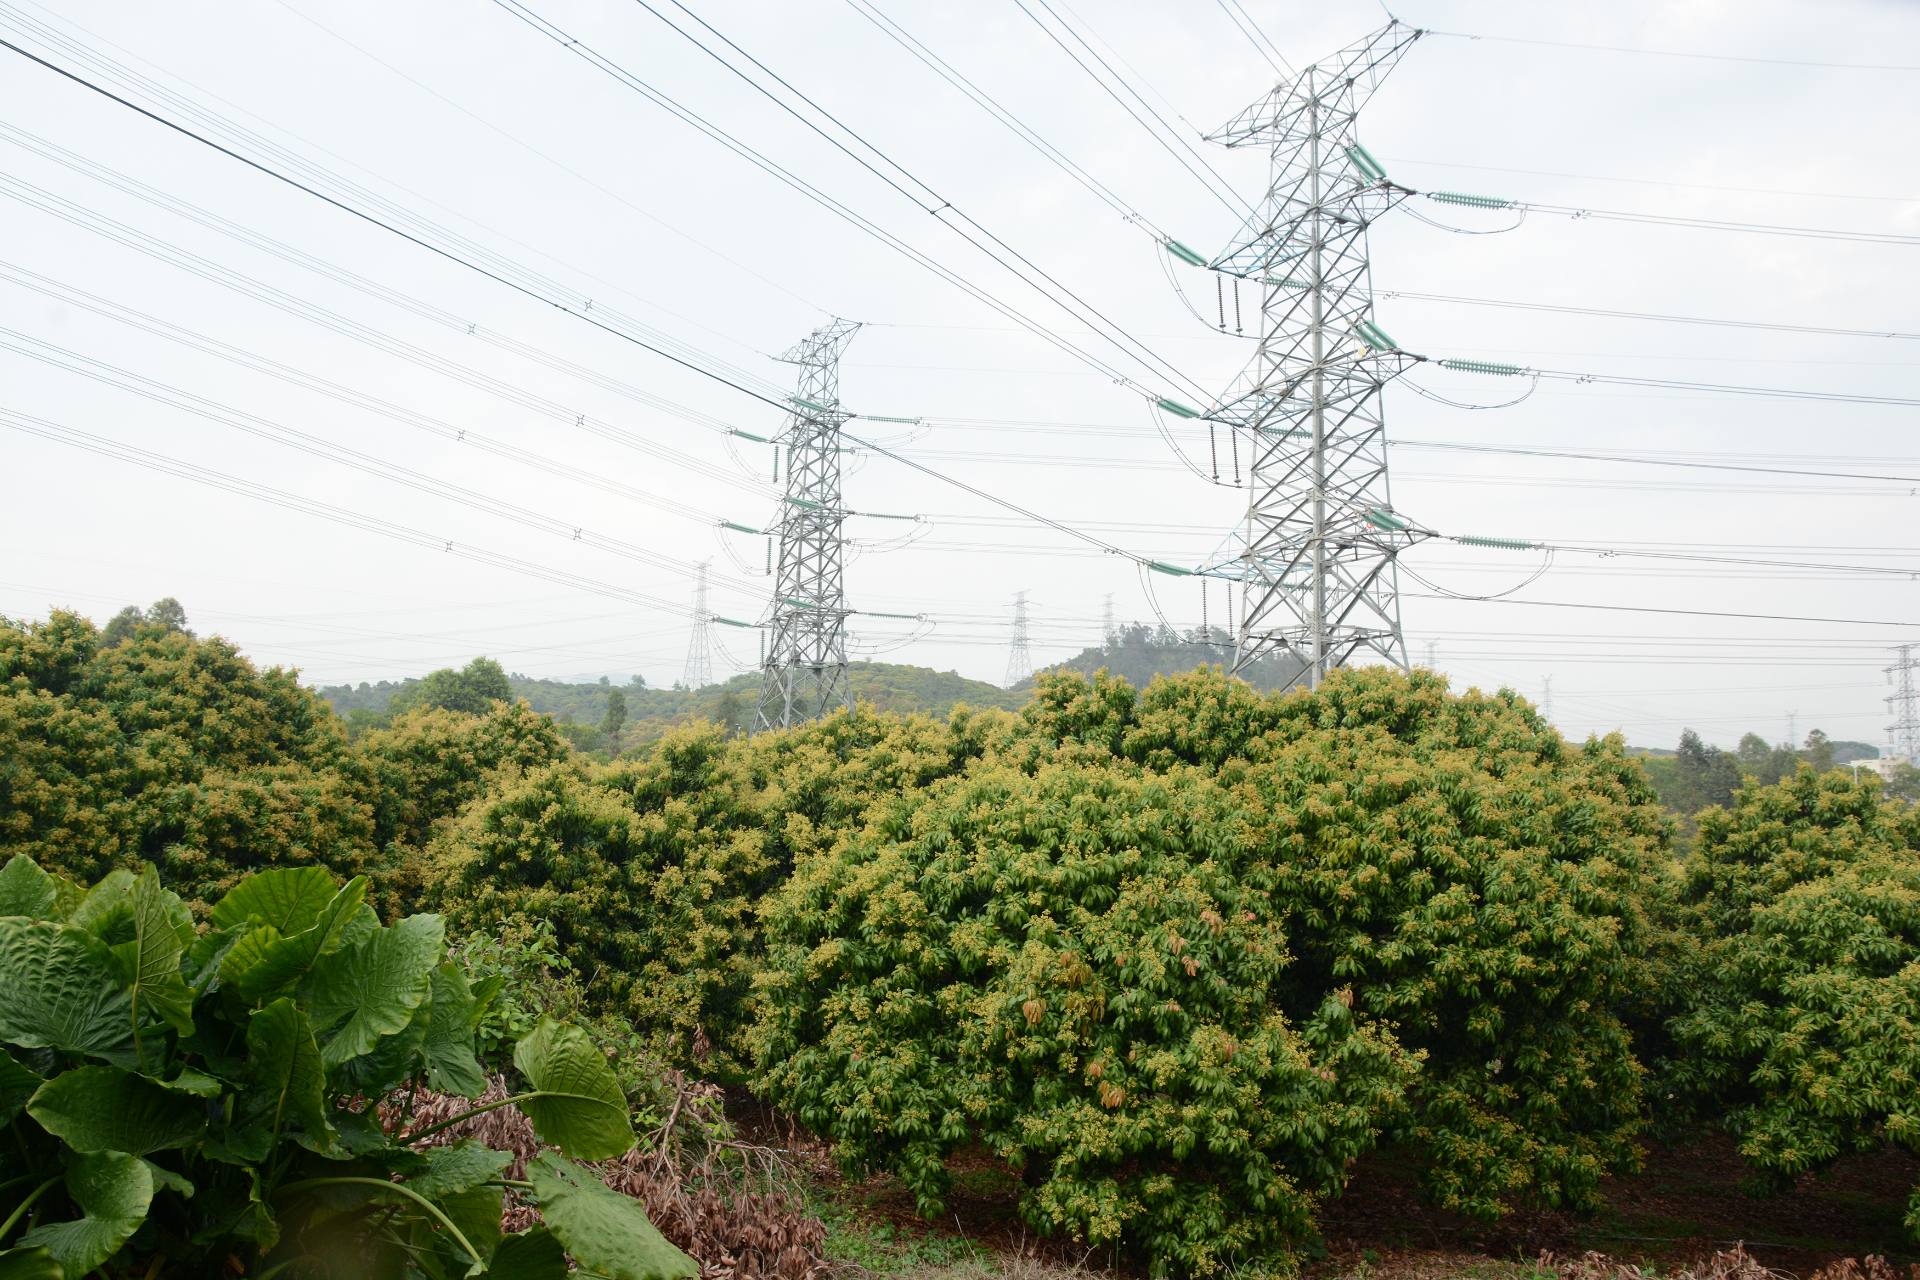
[[1686, 1203]]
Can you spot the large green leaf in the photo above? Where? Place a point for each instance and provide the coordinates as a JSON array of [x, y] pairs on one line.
[[59, 990], [285, 1081], [27, 890], [108, 1109], [16, 1086], [33, 1264], [107, 910], [372, 988], [458, 1167], [112, 1190], [267, 959], [162, 927], [588, 1118], [451, 1065], [607, 1233], [288, 898], [531, 1255], [393, 1060], [476, 1213]]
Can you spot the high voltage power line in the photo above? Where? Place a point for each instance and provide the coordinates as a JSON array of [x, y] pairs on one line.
[[1061, 526]]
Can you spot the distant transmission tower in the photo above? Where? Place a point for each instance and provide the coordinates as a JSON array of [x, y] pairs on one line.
[[699, 670], [1902, 703], [1546, 700], [1317, 554], [1108, 633], [804, 673], [1019, 658]]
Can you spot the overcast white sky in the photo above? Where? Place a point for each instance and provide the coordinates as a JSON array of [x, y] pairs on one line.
[[469, 119]]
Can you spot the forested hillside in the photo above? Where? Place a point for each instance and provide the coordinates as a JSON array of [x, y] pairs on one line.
[[1177, 957], [1137, 653], [645, 714]]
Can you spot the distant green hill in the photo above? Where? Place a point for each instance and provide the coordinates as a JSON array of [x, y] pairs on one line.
[[1138, 653], [651, 712]]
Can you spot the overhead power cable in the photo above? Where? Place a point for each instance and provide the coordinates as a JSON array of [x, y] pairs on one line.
[[295, 163], [1682, 53], [1218, 187], [1582, 213], [1088, 314], [438, 427], [320, 447], [522, 289], [993, 107], [48, 430], [1693, 613], [1243, 23], [1560, 309], [585, 52], [293, 304], [577, 313], [538, 154]]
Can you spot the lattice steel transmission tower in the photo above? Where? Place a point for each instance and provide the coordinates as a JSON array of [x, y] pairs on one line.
[[804, 674], [698, 673], [1316, 557], [1904, 705], [1019, 657]]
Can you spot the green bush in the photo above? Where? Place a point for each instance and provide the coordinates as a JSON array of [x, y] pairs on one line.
[[1801, 1026], [1483, 887], [198, 1100], [1077, 967], [167, 749], [651, 871]]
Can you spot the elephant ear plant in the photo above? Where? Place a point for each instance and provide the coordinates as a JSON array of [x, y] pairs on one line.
[[182, 1101]]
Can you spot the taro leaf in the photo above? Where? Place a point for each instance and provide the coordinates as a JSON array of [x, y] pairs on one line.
[[451, 1066], [16, 1086], [476, 1213], [372, 989], [107, 1109], [26, 890], [107, 910], [459, 1167], [207, 953], [531, 1255], [285, 1081], [33, 1264], [268, 959], [393, 1060], [588, 1120], [113, 1190], [58, 991], [168, 1180], [607, 1233], [288, 898], [161, 928]]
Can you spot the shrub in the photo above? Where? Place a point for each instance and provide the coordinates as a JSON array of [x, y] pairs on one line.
[[651, 871], [1075, 967], [1483, 888], [197, 1099], [1802, 1023], [169, 749]]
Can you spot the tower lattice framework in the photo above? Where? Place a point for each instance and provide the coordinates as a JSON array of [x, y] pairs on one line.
[[698, 673], [1019, 652], [1904, 733], [804, 674], [1316, 555]]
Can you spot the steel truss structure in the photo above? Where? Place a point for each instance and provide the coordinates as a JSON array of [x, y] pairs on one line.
[[1316, 555], [698, 673], [804, 673]]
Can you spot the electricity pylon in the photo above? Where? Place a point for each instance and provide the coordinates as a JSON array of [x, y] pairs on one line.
[[1904, 733], [698, 673], [804, 674], [1316, 557], [1019, 657]]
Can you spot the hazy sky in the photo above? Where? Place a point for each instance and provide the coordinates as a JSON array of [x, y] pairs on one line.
[[458, 115]]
